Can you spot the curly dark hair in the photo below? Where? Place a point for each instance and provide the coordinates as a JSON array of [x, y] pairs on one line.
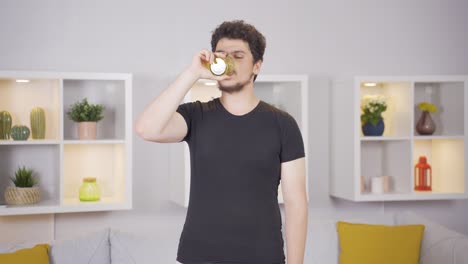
[[238, 29]]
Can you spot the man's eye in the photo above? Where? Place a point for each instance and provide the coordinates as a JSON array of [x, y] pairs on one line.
[[238, 57]]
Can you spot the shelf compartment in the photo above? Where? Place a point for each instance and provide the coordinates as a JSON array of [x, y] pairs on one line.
[[449, 99], [284, 95], [19, 99], [397, 117], [446, 157], [44, 160], [106, 162], [387, 158], [110, 93], [204, 91]]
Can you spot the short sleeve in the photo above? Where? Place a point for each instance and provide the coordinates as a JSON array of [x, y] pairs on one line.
[[187, 110], [292, 144]]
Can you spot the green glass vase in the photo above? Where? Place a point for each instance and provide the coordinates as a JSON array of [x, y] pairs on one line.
[[89, 190]]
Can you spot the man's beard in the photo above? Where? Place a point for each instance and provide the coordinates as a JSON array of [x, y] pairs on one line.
[[237, 87]]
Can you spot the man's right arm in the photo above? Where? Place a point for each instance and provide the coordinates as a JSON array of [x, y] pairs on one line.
[[159, 121]]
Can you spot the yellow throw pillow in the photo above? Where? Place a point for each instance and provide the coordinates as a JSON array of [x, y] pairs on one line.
[[38, 254], [382, 244]]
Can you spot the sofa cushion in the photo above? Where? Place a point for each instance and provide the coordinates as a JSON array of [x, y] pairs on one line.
[[93, 248], [38, 254], [368, 244]]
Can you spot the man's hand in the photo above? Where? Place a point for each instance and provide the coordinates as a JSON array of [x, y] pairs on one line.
[[199, 61]]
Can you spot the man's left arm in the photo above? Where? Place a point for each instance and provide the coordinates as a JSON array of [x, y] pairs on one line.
[[293, 185]]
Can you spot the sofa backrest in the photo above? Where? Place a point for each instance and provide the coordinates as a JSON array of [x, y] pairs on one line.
[[440, 244]]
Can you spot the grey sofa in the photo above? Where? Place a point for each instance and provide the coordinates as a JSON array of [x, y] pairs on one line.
[[440, 245]]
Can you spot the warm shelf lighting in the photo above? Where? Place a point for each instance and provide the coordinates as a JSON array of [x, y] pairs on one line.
[[370, 84], [22, 81]]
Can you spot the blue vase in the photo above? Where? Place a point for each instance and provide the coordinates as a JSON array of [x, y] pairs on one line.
[[370, 130]]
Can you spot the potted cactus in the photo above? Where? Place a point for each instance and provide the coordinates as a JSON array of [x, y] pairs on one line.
[[86, 115], [38, 123], [25, 190], [5, 125]]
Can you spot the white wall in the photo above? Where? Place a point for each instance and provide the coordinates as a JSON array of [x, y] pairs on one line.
[[155, 40]]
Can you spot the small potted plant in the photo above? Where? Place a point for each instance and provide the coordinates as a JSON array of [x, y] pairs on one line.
[[372, 122], [86, 115], [425, 124], [25, 190]]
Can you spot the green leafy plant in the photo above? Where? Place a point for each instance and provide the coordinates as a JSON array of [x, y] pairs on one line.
[[372, 107], [425, 106], [82, 111], [24, 178]]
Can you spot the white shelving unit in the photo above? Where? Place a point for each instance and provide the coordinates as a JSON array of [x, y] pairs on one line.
[[397, 151], [61, 160], [287, 92]]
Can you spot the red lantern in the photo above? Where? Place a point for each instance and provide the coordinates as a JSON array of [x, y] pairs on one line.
[[422, 175]]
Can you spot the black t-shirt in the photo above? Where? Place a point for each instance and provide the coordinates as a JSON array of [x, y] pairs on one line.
[[233, 214]]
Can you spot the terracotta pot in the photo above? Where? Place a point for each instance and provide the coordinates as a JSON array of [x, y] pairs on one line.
[[87, 130]]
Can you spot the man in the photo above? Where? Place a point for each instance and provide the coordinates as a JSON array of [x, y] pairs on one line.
[[240, 148]]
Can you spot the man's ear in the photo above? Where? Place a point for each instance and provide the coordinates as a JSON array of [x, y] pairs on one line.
[[257, 67]]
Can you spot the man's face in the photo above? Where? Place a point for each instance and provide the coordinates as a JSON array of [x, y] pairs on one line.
[[243, 60]]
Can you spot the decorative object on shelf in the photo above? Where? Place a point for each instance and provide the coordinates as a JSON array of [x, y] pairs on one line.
[[86, 115], [38, 123], [89, 190], [372, 122], [25, 190], [426, 125], [5, 125], [380, 184], [422, 175], [20, 132], [386, 183], [377, 185]]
